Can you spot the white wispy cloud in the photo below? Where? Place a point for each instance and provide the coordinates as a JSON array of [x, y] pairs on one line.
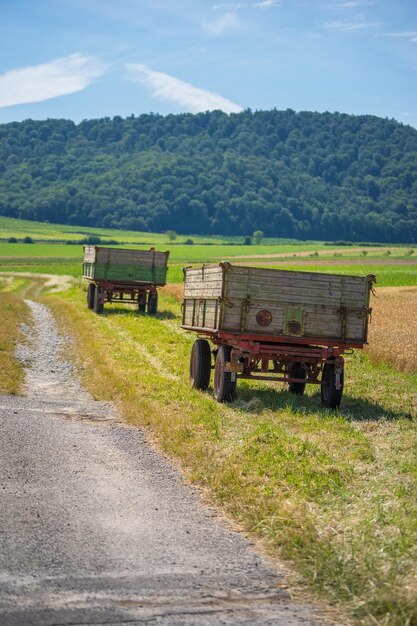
[[168, 87], [236, 6], [265, 4], [349, 4], [410, 35], [358, 22], [58, 77], [223, 24]]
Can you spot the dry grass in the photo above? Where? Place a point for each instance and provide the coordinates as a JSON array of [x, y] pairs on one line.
[[12, 312], [176, 290], [393, 331]]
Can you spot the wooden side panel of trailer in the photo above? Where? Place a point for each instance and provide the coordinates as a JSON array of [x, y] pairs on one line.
[[277, 302], [205, 282], [300, 304], [121, 265]]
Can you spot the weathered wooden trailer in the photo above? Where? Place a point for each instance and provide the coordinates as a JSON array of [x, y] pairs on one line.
[[124, 275], [274, 324]]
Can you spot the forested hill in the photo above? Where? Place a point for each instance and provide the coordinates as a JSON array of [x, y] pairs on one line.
[[305, 175]]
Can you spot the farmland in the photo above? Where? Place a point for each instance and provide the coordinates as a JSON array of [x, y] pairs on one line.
[[331, 493], [394, 265]]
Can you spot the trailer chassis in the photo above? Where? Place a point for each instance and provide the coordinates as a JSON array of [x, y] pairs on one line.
[[144, 295], [296, 362]]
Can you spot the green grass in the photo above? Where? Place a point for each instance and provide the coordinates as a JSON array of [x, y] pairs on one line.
[[33, 250], [387, 275], [334, 493], [41, 231]]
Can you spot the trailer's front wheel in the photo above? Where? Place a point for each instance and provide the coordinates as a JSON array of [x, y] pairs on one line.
[[152, 302], [98, 302], [331, 397], [224, 382], [91, 288], [297, 371], [200, 364]]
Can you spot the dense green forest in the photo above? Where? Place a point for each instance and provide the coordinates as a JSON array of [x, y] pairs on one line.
[[305, 175]]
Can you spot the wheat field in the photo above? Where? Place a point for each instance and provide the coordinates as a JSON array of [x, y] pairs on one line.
[[393, 328]]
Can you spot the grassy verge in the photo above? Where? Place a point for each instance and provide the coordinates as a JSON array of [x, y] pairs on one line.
[[334, 493], [12, 312]]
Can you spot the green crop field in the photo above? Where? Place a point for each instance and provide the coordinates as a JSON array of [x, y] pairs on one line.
[[394, 265], [44, 232]]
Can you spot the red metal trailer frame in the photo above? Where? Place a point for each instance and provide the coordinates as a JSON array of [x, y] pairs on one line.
[[295, 361]]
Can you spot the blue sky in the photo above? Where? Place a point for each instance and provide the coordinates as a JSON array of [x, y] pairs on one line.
[[82, 59]]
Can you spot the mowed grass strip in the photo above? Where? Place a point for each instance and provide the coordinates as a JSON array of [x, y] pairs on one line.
[[13, 311], [334, 493]]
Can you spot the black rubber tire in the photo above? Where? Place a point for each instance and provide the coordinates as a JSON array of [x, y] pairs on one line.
[[330, 396], [91, 288], [200, 364], [297, 371], [98, 304], [152, 302], [224, 382], [142, 301]]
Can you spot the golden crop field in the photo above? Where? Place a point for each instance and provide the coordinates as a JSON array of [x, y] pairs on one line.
[[393, 329]]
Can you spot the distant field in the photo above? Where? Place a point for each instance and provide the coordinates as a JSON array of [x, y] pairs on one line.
[[188, 253], [387, 274], [393, 265], [41, 231], [10, 227]]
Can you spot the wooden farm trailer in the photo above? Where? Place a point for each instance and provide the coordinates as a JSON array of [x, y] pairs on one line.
[[274, 324], [122, 275]]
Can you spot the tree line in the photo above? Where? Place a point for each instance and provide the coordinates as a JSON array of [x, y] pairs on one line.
[[305, 175]]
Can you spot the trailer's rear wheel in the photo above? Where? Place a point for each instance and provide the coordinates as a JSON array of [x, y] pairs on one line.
[[90, 295], [224, 382], [152, 302], [297, 371], [142, 301], [330, 396], [200, 364], [98, 302]]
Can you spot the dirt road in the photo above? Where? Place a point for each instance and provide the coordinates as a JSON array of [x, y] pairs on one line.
[[97, 528]]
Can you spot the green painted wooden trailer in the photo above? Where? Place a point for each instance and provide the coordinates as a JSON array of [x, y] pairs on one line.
[[124, 275]]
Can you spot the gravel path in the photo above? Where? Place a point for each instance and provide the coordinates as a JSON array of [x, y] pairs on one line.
[[98, 528]]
